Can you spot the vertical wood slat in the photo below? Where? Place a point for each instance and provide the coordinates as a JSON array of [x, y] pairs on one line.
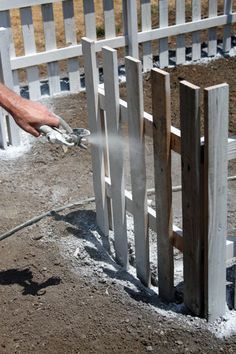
[[6, 77], [163, 43], [109, 18], [180, 40], [115, 147], [90, 19], [227, 28], [146, 26], [30, 48], [130, 16], [137, 166], [3, 131], [196, 40], [6, 22], [70, 36], [50, 43], [212, 36], [91, 79], [216, 101], [192, 197], [163, 184]]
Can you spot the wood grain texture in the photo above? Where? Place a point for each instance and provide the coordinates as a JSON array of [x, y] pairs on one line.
[[163, 183]]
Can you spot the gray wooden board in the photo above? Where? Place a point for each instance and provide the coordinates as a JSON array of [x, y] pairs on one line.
[[196, 40], [91, 78], [137, 167], [115, 148], [163, 43], [163, 183], [132, 40], [227, 29], [70, 36], [50, 43], [89, 19], [109, 18], [216, 100], [30, 48], [192, 197]]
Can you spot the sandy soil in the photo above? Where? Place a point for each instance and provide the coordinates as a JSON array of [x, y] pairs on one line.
[[60, 289]]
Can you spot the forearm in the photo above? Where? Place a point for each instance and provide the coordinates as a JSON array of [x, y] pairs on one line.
[[9, 100]]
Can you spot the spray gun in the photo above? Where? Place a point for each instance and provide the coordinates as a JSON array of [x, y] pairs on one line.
[[65, 135]]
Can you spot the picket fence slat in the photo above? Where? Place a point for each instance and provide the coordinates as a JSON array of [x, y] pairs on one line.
[[146, 26], [163, 183], [192, 196], [91, 77], [6, 78], [227, 29], [15, 4], [212, 36], [137, 167], [6, 23], [30, 48], [109, 18], [90, 19], [130, 11], [163, 43], [216, 100], [196, 40], [180, 40], [70, 36], [115, 148], [50, 43]]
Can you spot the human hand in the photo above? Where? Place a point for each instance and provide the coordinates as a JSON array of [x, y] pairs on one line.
[[30, 115]]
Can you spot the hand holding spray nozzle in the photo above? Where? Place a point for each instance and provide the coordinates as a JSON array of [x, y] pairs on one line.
[[65, 135]]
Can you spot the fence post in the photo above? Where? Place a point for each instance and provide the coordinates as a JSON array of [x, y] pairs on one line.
[[6, 77], [163, 184], [91, 78], [192, 197], [131, 27], [216, 101], [137, 166]]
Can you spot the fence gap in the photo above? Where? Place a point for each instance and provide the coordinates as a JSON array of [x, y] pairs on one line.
[[163, 183], [137, 166], [115, 147], [94, 122], [216, 102], [192, 197], [70, 36]]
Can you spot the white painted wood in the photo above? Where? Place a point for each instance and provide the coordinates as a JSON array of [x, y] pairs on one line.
[[115, 149], [90, 19], [15, 4], [227, 30], [50, 44], [187, 27], [109, 18], [91, 78], [216, 100], [7, 79], [196, 40], [137, 166], [70, 36], [163, 43], [180, 40], [132, 26], [212, 36], [6, 22], [163, 183], [30, 48], [192, 197], [146, 26]]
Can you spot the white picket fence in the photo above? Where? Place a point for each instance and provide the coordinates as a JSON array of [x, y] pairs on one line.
[[137, 34], [204, 178]]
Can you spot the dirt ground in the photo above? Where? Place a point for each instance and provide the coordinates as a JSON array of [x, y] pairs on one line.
[[60, 290]]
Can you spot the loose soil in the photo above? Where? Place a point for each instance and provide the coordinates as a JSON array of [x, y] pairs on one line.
[[60, 289]]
